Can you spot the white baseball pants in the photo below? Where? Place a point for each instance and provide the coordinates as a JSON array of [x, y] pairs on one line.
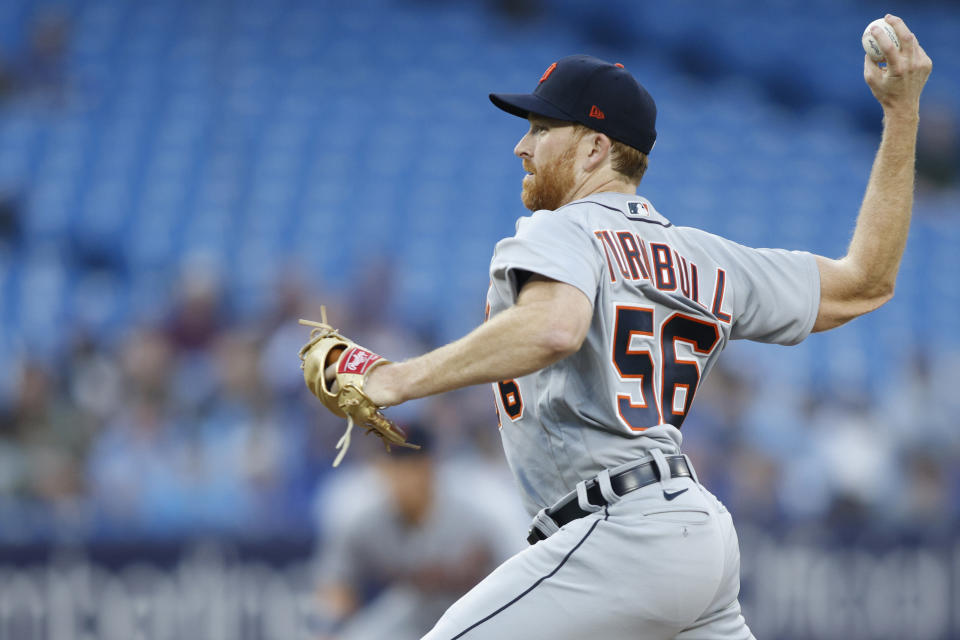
[[642, 568]]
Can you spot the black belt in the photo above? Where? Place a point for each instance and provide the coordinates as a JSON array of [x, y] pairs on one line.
[[643, 474]]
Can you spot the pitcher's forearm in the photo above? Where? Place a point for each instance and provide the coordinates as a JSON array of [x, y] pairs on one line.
[[548, 323], [505, 347], [884, 220]]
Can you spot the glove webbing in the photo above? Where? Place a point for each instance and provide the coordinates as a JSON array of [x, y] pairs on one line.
[[320, 329]]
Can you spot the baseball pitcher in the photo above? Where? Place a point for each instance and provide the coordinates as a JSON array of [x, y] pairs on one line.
[[604, 317]]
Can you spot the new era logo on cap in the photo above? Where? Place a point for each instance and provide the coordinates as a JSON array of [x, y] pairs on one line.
[[596, 113]]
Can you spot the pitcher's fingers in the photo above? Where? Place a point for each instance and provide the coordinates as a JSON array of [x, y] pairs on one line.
[[896, 61], [922, 57], [872, 73], [907, 39]]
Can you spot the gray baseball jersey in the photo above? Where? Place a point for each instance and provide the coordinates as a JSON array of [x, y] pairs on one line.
[[666, 300]]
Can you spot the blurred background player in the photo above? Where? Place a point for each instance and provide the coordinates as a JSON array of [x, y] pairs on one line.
[[395, 559]]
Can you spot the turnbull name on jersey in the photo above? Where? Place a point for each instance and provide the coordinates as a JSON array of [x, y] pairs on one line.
[[661, 265]]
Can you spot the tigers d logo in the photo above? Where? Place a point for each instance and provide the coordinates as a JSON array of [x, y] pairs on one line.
[[546, 74]]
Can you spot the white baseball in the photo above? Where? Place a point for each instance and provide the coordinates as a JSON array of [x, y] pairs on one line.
[[870, 43]]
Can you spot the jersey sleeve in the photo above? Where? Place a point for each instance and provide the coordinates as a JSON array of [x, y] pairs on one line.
[[776, 294], [552, 245]]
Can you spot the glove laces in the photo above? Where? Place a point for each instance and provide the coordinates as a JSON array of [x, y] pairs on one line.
[[344, 442]]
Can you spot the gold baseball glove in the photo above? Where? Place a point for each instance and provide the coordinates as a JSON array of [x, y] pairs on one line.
[[346, 399]]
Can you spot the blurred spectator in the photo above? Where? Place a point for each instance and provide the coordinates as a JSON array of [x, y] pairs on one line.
[[165, 467], [754, 486], [842, 427], [518, 10], [919, 499], [147, 360], [41, 71], [919, 405], [198, 316], [55, 437], [246, 456], [199, 312], [284, 336], [7, 80], [94, 381], [10, 225], [392, 567], [938, 147], [137, 466]]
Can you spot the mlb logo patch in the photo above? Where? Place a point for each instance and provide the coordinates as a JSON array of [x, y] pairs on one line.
[[639, 209]]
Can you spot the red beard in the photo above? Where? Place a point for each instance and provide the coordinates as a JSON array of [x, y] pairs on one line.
[[550, 187]]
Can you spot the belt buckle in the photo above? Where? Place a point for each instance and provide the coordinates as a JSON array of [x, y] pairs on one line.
[[534, 536]]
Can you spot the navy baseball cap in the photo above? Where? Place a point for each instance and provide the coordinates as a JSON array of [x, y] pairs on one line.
[[593, 92]]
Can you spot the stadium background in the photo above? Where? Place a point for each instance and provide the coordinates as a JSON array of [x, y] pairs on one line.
[[179, 181]]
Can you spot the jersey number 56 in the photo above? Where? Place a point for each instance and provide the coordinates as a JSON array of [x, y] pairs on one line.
[[677, 378]]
